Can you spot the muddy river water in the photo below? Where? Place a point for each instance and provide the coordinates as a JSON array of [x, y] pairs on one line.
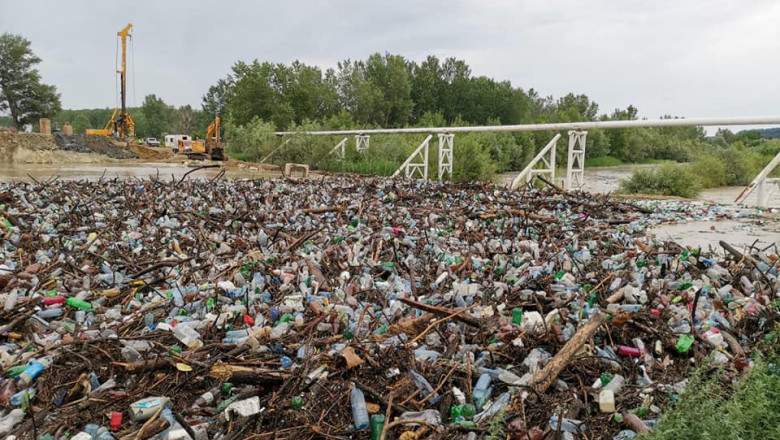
[[743, 231]]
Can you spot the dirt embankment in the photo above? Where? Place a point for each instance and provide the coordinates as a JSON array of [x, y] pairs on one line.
[[58, 148], [93, 144], [41, 149]]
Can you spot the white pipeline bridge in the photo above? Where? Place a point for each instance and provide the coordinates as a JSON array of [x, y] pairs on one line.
[[416, 165]]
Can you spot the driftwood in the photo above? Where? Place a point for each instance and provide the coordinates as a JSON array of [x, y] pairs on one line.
[[635, 423], [241, 374], [443, 311], [547, 375]]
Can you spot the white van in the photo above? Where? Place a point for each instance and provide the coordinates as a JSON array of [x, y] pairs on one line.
[[172, 141]]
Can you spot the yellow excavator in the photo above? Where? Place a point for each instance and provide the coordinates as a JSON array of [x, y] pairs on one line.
[[121, 124], [212, 148]]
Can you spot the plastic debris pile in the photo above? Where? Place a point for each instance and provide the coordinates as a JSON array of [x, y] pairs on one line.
[[354, 308]]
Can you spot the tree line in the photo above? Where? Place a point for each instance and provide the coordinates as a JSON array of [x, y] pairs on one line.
[[154, 118], [383, 90]]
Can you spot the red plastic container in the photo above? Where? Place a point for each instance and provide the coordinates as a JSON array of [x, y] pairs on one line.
[[116, 421], [52, 300], [627, 351]]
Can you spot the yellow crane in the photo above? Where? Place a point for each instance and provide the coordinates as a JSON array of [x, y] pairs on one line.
[[121, 123]]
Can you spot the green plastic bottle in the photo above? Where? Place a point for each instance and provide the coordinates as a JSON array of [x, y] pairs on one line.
[[517, 316], [684, 343], [377, 423], [79, 304]]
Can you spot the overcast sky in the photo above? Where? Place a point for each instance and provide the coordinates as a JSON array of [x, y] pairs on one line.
[[681, 57]]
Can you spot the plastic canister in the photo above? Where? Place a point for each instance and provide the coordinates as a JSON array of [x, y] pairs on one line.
[[145, 408]]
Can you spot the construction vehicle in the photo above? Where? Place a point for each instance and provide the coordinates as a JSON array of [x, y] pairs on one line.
[[121, 124], [211, 148]]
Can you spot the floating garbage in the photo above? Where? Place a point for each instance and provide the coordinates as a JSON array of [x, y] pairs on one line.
[[345, 307]]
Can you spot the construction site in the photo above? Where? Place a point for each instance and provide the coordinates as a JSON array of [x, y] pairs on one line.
[[166, 290]]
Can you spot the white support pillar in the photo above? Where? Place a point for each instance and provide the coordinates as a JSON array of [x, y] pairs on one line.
[[761, 184], [361, 142], [410, 168], [445, 154], [340, 148], [575, 166], [546, 157]]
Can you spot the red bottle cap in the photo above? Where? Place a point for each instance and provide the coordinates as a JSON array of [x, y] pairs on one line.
[[248, 320]]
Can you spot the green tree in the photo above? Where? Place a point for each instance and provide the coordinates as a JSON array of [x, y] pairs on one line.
[[80, 123], [21, 91], [390, 75], [158, 116], [427, 86], [216, 97]]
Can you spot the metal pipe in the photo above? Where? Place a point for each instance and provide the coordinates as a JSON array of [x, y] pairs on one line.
[[681, 122]]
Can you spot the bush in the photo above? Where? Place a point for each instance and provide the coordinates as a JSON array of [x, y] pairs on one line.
[[472, 161], [711, 171], [742, 165], [708, 410], [668, 180], [251, 141]]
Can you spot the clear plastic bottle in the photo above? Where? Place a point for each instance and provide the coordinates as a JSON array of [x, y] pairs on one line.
[[188, 336], [481, 391], [359, 409], [8, 422], [10, 301]]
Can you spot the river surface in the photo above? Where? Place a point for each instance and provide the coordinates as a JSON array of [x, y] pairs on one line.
[[140, 170], [764, 230]]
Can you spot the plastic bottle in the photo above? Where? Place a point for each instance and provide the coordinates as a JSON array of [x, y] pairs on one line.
[[8, 422], [615, 384], [481, 391], [424, 386], [517, 316], [53, 300], [143, 409], [54, 312], [79, 304], [10, 301], [606, 401], [501, 402], [33, 370], [188, 336], [207, 398], [18, 398], [567, 425], [359, 409], [377, 424]]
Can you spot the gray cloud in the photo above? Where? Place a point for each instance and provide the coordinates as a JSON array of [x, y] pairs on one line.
[[693, 58]]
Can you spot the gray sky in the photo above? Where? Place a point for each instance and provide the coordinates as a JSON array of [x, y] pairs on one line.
[[682, 57]]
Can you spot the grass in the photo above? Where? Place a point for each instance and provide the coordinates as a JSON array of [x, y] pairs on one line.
[[603, 161], [707, 409], [612, 161], [369, 167]]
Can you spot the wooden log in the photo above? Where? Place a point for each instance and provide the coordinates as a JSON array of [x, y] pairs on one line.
[[241, 374], [635, 423], [547, 375], [443, 311]]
